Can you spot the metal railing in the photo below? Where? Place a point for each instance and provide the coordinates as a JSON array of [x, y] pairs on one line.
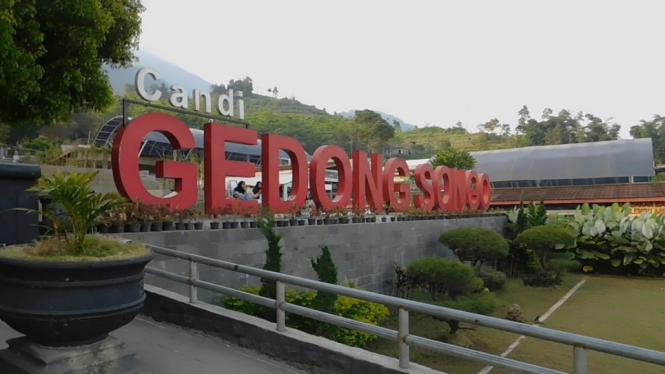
[[579, 343]]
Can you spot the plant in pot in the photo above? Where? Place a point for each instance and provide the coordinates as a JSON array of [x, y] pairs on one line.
[[236, 215], [227, 215], [180, 220], [166, 215], [189, 214], [118, 218], [313, 216], [57, 290], [146, 216], [132, 214], [357, 215], [197, 218], [246, 214], [291, 214], [214, 214]]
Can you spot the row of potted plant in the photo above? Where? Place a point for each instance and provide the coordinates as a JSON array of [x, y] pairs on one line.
[[139, 217]]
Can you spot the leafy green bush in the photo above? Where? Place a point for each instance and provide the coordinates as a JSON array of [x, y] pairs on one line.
[[543, 239], [347, 307], [492, 278], [610, 240], [532, 264], [544, 279], [475, 244], [482, 303], [441, 275]]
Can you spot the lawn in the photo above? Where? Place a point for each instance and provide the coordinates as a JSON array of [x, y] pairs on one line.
[[625, 310], [534, 302]]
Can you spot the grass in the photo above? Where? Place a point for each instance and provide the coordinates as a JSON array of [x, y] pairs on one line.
[[98, 248], [533, 301], [620, 309]]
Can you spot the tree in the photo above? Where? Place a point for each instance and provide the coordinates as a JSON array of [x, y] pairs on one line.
[[273, 260], [53, 53], [372, 129], [475, 244], [246, 85], [654, 129], [326, 270], [454, 158]]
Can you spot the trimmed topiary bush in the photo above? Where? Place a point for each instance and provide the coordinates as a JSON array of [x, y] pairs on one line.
[[544, 239], [441, 275], [475, 244], [492, 279]]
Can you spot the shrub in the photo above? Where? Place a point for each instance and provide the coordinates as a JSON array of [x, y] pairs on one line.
[[532, 265], [475, 244], [476, 285], [543, 239], [492, 279], [544, 279], [440, 275], [610, 240], [347, 307], [483, 303]]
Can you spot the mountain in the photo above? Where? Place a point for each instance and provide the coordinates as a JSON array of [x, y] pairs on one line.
[[170, 72], [387, 117]]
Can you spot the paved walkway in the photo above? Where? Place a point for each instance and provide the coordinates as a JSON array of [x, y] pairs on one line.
[[168, 349]]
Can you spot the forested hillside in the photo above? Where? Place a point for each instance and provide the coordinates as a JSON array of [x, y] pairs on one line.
[[314, 127]]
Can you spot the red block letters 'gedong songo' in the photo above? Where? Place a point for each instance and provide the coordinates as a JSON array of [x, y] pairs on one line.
[[443, 187]]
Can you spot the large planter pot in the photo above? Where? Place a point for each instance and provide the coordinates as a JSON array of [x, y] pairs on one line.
[[61, 304], [198, 225], [311, 221], [244, 225], [214, 225], [180, 226]]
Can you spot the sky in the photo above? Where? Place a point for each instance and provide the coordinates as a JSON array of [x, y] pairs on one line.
[[427, 62]]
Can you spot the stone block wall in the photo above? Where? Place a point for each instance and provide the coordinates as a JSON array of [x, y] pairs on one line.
[[364, 253]]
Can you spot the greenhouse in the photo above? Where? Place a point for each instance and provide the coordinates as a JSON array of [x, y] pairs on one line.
[[608, 162]]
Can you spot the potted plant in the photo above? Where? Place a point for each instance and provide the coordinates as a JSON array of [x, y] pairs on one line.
[[357, 214], [118, 218], [313, 213], [181, 220], [166, 216], [57, 290], [247, 216], [291, 213], [132, 223], [214, 215], [227, 214], [197, 218], [146, 216]]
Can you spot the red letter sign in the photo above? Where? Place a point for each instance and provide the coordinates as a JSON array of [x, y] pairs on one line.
[[423, 174], [485, 191], [270, 147], [473, 192], [366, 181], [443, 188], [217, 167], [390, 187], [125, 161], [317, 176]]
